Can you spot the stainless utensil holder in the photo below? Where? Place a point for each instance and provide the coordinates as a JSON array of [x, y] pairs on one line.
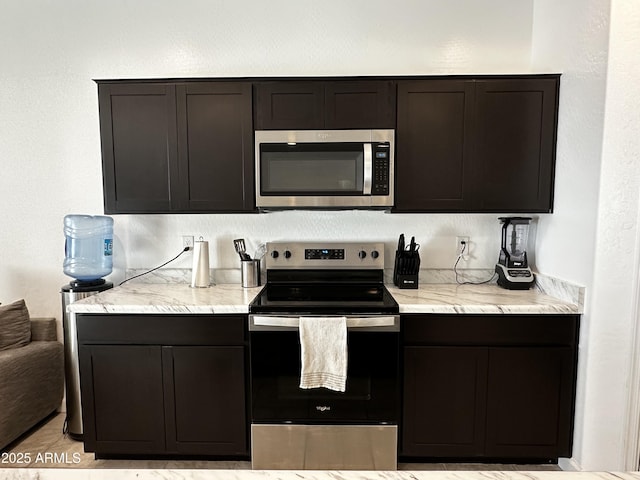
[[250, 271]]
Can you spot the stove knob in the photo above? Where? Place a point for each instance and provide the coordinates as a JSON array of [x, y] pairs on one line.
[[362, 254], [287, 254], [375, 254], [275, 254]]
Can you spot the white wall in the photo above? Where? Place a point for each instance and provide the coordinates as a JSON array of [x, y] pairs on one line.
[[615, 299]]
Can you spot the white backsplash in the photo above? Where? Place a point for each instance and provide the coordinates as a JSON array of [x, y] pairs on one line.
[[232, 275], [145, 241]]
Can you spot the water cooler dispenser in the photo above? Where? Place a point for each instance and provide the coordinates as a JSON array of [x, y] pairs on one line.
[[88, 258]]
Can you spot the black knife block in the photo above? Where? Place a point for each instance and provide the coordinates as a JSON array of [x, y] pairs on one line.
[[406, 268]]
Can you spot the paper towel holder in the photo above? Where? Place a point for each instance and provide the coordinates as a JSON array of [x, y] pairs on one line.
[[200, 275]]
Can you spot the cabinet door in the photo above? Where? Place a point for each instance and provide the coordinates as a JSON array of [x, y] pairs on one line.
[[205, 400], [123, 408], [515, 144], [139, 157], [444, 401], [289, 105], [530, 402], [433, 145], [360, 104], [215, 138]]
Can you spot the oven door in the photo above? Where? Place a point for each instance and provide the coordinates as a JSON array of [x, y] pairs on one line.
[[372, 390]]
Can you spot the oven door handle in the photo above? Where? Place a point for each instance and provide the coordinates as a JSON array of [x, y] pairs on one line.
[[378, 323]]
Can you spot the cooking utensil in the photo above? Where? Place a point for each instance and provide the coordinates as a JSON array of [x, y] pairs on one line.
[[241, 249]]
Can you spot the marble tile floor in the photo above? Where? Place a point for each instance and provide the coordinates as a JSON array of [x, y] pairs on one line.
[[46, 446]]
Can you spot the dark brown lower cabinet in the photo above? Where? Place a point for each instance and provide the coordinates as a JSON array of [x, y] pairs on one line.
[[444, 400], [489, 387], [209, 381], [530, 402], [124, 409], [162, 399]]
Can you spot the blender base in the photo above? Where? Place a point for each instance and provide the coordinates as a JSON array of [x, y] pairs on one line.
[[515, 278]]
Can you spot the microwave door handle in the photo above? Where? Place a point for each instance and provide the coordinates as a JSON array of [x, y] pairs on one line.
[[368, 169]]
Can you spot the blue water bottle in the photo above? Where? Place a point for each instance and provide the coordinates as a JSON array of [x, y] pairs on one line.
[[88, 247]]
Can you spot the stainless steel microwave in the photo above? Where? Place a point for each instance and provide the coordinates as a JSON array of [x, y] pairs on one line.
[[324, 169]]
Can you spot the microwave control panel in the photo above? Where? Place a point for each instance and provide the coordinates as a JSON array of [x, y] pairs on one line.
[[380, 181]]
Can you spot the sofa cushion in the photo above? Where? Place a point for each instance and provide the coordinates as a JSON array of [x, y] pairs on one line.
[[15, 326]]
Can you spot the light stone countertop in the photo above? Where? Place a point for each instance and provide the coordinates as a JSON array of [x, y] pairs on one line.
[[478, 299], [168, 298], [115, 474], [180, 298]]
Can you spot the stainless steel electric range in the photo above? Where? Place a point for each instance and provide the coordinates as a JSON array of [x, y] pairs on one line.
[[320, 428]]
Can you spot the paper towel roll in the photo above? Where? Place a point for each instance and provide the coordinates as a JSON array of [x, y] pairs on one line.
[[200, 268]]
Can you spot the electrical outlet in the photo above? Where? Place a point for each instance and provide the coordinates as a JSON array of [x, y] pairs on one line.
[[462, 247], [187, 241]]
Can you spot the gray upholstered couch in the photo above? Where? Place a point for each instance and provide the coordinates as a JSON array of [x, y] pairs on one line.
[[31, 381]]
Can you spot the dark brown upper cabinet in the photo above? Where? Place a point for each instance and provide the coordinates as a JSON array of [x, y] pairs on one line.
[[360, 104], [433, 154], [476, 145], [289, 106], [139, 146], [515, 144], [215, 140], [177, 147], [316, 105]]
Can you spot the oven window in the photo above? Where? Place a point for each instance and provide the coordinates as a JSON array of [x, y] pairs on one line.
[[372, 381], [311, 168]]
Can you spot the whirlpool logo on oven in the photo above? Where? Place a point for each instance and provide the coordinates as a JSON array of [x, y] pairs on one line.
[[323, 408]]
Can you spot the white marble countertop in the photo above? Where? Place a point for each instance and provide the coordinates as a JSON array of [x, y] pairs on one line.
[[168, 298], [232, 298], [490, 298], [116, 474]]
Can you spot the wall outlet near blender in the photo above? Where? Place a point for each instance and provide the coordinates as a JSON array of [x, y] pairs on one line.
[[462, 247], [187, 241]]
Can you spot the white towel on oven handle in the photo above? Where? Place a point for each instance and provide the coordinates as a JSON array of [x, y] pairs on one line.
[[323, 342]]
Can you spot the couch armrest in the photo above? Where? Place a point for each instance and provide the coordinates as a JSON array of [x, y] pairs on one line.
[[43, 329]]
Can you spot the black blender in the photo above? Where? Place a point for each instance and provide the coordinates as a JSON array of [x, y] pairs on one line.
[[513, 268]]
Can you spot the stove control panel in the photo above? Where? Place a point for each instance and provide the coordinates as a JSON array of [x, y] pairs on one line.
[[325, 255]]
